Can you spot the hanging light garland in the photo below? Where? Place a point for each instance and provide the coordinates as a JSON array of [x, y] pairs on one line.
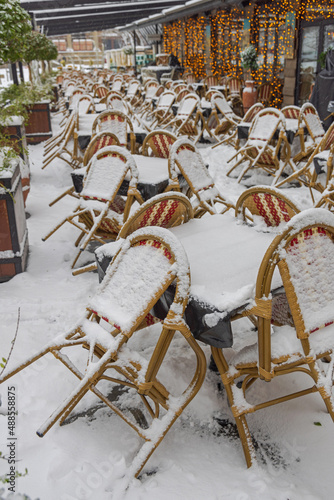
[[270, 32]]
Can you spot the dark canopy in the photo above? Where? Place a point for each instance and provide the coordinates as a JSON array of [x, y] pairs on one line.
[[59, 17]]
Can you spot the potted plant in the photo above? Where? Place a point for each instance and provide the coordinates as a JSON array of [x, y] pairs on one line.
[[249, 64], [249, 61], [15, 25]]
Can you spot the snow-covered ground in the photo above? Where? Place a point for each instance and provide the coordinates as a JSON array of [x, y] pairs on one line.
[[201, 456]]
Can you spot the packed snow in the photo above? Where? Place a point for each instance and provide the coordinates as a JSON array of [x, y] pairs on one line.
[[87, 458]]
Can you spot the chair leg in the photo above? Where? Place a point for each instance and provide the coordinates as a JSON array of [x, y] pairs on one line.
[[239, 416]]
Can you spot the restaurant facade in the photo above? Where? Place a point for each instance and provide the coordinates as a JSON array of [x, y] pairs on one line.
[[290, 36]]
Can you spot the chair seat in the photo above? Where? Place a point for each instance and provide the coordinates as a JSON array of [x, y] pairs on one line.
[[286, 347]]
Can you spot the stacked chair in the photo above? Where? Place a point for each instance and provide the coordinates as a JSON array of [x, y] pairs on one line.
[[258, 152], [185, 157], [101, 212]]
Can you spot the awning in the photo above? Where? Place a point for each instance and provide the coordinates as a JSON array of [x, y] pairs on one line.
[[60, 17]]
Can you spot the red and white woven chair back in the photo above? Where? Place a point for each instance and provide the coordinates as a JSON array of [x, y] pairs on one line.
[[160, 142], [310, 261], [147, 257], [219, 103], [211, 81], [252, 112], [115, 122], [264, 126], [291, 112]]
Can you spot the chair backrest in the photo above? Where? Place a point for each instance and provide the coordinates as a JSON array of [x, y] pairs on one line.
[[253, 111], [210, 81], [305, 258], [190, 78], [219, 103], [264, 93], [153, 258], [117, 84], [181, 95], [291, 112], [310, 116], [188, 106], [328, 140], [267, 203], [166, 99], [178, 87], [158, 143], [115, 102], [109, 166], [113, 121], [99, 141], [234, 85], [133, 88], [101, 91], [264, 126], [164, 210], [186, 157], [84, 104], [151, 89]]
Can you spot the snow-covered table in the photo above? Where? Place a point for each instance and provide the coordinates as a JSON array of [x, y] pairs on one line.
[[153, 176], [224, 256], [84, 131]]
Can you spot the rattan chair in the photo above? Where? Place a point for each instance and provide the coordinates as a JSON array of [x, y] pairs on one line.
[[189, 119], [119, 124], [158, 143], [101, 212], [99, 141], [185, 157], [307, 174], [64, 145], [149, 261], [259, 152], [264, 94], [266, 205], [162, 113], [304, 256], [226, 120]]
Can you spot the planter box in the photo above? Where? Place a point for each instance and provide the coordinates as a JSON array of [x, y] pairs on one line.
[[15, 130], [13, 228], [38, 128]]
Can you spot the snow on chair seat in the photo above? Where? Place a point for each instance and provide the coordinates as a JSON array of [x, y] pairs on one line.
[[148, 262]]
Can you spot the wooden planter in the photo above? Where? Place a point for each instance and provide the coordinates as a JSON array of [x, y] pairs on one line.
[[15, 130], [38, 128], [13, 228]]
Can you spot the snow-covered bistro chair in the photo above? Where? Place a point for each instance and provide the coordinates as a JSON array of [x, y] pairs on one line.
[[148, 262], [101, 212], [189, 120], [225, 121], [99, 141], [266, 205], [258, 152], [118, 123], [158, 143], [308, 174], [304, 256], [185, 158]]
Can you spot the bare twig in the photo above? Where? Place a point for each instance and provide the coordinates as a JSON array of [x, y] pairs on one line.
[[13, 342]]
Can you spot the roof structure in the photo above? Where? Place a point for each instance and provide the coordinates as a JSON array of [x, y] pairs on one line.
[[60, 17]]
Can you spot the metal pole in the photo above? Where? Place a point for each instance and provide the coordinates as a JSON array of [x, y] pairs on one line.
[[134, 52]]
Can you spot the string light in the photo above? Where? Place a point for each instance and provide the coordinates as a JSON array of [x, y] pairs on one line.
[[271, 29]]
